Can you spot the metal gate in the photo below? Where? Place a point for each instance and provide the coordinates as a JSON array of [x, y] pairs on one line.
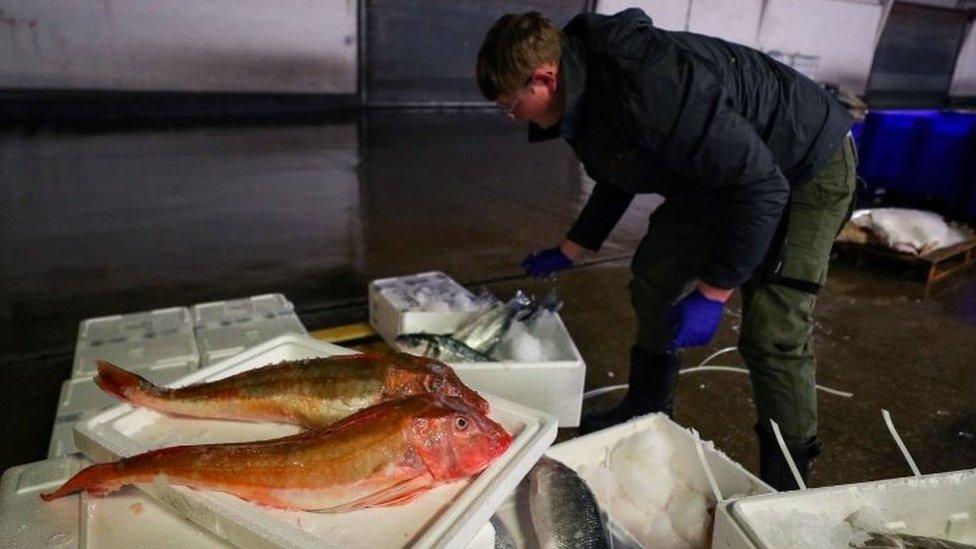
[[422, 52]]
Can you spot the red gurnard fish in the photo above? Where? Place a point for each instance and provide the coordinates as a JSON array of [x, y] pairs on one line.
[[384, 455], [311, 393]]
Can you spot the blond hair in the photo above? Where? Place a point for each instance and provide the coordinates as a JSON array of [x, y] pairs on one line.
[[515, 46]]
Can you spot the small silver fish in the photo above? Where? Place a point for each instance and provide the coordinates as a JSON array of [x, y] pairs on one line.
[[439, 347], [564, 511], [483, 331]]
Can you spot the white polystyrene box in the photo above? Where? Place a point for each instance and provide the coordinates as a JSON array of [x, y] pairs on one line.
[[390, 319], [940, 505], [127, 519], [448, 516], [230, 311], [554, 386], [62, 439], [217, 342], [140, 342], [731, 478]]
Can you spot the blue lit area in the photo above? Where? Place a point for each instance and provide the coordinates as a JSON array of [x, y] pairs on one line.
[[921, 154]]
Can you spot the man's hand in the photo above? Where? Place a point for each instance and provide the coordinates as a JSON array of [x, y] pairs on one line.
[[543, 263], [694, 319]]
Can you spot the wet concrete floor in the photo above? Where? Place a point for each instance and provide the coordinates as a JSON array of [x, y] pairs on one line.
[[99, 223]]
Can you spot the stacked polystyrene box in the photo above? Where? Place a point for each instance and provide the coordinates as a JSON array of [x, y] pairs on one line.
[[554, 386], [170, 516], [225, 328], [164, 345], [158, 345]]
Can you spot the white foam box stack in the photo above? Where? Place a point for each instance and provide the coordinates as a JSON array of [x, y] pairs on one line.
[[447, 516], [129, 518], [941, 505], [225, 328], [731, 478], [83, 396], [391, 316], [158, 345], [146, 343]]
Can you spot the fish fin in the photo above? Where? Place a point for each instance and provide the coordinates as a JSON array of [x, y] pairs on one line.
[[393, 495], [99, 479], [122, 384], [410, 496]]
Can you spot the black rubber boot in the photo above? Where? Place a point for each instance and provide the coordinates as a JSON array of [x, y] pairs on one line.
[[653, 379], [774, 470]]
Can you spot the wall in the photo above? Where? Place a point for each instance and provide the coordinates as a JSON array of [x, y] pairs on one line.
[[964, 79], [667, 14], [734, 20], [840, 32], [297, 46]]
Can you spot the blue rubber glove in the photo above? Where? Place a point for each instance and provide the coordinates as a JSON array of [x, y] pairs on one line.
[[694, 320], [546, 262]]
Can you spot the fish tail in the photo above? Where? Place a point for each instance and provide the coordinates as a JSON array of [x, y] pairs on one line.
[[125, 385], [98, 480]]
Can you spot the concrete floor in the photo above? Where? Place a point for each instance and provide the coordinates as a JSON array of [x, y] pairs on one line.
[[112, 222]]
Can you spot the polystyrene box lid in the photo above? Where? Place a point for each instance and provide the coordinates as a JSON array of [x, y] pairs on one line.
[[118, 328], [177, 350], [127, 519], [448, 516], [221, 341], [267, 305]]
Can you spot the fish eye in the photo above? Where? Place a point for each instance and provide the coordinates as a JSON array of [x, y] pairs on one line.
[[461, 423]]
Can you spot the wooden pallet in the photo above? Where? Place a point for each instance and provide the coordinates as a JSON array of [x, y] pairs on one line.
[[359, 336], [936, 265]]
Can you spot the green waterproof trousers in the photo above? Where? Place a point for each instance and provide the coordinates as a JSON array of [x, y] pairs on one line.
[[777, 316]]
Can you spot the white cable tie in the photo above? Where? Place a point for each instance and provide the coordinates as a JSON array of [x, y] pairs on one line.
[[717, 353], [900, 443], [708, 470], [789, 458], [603, 390]]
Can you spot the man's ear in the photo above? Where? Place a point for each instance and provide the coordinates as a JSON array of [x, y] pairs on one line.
[[546, 76]]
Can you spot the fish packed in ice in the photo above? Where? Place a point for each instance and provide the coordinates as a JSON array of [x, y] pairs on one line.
[[518, 330], [311, 393], [656, 494], [384, 455]]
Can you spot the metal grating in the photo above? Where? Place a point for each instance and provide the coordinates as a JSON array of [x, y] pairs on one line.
[[422, 53], [916, 55]]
